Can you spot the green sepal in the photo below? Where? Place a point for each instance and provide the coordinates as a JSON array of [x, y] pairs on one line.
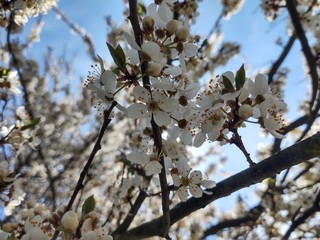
[[227, 84], [240, 77], [33, 123], [118, 56], [88, 205]]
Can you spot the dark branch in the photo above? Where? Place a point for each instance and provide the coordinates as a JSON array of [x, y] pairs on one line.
[[293, 155], [250, 217], [276, 65]]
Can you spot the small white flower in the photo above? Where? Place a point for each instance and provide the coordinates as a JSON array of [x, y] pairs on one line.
[[151, 162]]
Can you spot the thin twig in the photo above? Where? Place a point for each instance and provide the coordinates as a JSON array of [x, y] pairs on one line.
[[276, 65], [311, 61], [86, 168]]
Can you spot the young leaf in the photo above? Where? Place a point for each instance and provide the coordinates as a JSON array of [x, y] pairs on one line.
[[88, 205], [33, 123], [118, 56], [227, 84], [240, 77]]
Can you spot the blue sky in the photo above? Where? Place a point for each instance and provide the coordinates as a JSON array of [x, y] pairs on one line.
[[249, 28]]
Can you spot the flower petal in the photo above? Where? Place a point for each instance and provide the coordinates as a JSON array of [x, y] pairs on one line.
[[153, 167], [138, 157], [161, 118], [196, 177], [142, 94], [137, 110], [196, 191], [208, 183], [182, 194]]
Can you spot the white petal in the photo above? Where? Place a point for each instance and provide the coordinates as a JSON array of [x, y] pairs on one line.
[[213, 135], [131, 41], [190, 50], [277, 134], [138, 157], [176, 180], [270, 124], [142, 94], [134, 56], [186, 137], [161, 118], [261, 84], [183, 194], [195, 190], [174, 71], [208, 183], [199, 139], [183, 166], [152, 49], [196, 177], [153, 167], [109, 81], [165, 12], [137, 110]]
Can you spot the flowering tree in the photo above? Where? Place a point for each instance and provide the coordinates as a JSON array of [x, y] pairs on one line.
[[130, 172]]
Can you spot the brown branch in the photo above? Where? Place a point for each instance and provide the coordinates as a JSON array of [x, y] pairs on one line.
[[276, 65], [95, 149], [133, 17], [293, 155], [306, 214], [311, 61], [250, 217]]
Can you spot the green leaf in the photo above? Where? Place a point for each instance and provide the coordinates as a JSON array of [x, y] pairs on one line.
[[227, 84], [142, 9], [88, 205], [121, 55], [240, 77], [4, 72], [118, 56], [33, 123]]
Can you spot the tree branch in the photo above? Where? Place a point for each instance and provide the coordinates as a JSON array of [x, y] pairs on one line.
[[293, 155], [133, 17], [311, 61], [276, 65], [251, 216], [307, 213]]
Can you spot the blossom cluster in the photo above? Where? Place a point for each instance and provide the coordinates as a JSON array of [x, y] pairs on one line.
[[42, 226], [23, 10], [175, 101]]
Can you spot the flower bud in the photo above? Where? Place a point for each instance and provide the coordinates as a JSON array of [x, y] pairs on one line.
[[172, 26], [182, 34], [245, 111], [153, 69], [70, 221], [148, 24]]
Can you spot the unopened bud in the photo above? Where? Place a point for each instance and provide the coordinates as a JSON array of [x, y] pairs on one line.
[[153, 69], [148, 24], [70, 221], [245, 111], [172, 26], [182, 34]]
